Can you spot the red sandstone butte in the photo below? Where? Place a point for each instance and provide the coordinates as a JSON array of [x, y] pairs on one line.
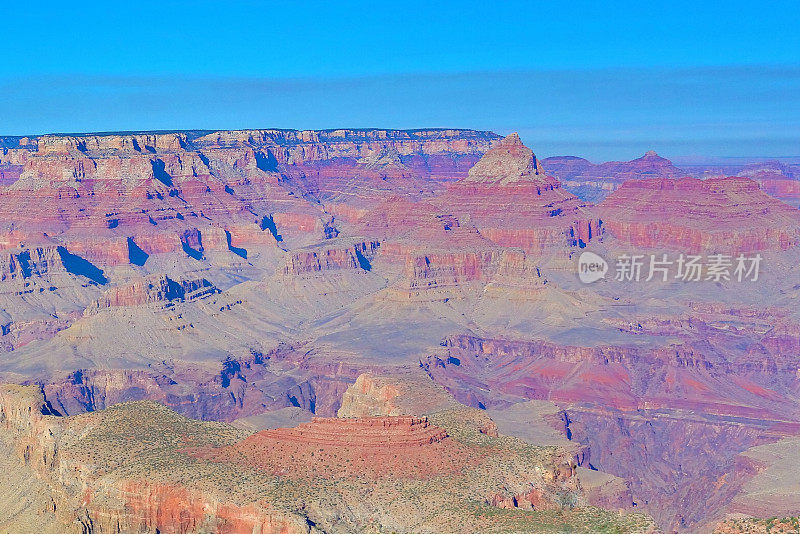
[[372, 447], [718, 214]]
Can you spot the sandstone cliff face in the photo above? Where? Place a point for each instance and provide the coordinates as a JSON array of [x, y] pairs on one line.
[[153, 289], [18, 333], [85, 505], [442, 271], [225, 390], [458, 241], [399, 394], [152, 143], [624, 377], [144, 506], [334, 261], [303, 147], [440, 275], [250, 187], [369, 396], [727, 215], [517, 277], [9, 173], [511, 201], [23, 264], [355, 257], [122, 470], [777, 179], [507, 163], [363, 432], [506, 198]]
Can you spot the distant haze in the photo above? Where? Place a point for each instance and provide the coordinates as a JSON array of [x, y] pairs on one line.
[[686, 79]]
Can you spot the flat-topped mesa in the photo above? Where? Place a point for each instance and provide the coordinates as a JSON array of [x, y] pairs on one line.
[[362, 432], [112, 143], [148, 186], [304, 144], [718, 214], [399, 138], [509, 163], [367, 448], [449, 153]]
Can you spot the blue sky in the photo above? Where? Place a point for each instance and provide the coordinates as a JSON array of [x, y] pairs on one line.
[[603, 80]]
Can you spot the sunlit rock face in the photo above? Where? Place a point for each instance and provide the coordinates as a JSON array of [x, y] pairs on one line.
[[512, 202], [234, 330], [718, 214], [152, 188]]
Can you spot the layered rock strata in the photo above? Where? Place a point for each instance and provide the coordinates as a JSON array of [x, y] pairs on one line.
[[727, 215]]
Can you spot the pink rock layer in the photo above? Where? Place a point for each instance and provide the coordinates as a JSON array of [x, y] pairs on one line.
[[691, 215], [679, 414], [108, 197], [145, 506], [371, 447]]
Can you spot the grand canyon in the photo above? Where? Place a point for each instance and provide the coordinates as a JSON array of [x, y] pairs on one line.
[[283, 331]]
